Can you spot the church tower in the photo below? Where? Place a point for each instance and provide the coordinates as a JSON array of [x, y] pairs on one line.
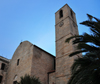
[[66, 26]]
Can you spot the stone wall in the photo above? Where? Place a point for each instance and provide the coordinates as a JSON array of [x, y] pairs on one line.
[[42, 63], [32, 60], [66, 26], [52, 78], [24, 54], [4, 63]]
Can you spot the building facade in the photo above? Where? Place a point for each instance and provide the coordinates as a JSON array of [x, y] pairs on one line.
[[32, 60], [4, 64]]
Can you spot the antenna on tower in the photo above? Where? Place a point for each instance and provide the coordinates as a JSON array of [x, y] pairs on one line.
[[21, 41]]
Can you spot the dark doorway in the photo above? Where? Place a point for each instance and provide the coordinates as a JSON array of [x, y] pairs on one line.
[[1, 78], [15, 82]]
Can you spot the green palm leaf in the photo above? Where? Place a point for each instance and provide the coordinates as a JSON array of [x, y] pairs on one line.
[[29, 80], [86, 69]]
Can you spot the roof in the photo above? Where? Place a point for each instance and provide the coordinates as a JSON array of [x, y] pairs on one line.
[[51, 71], [45, 51], [38, 48], [4, 59]]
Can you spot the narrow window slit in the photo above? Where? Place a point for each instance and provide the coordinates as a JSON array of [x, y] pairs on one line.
[[61, 13], [18, 62], [71, 13]]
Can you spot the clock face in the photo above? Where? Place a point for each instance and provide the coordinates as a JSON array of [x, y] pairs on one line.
[[61, 24]]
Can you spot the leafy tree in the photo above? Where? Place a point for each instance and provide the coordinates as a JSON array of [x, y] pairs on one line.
[[86, 69], [29, 80]]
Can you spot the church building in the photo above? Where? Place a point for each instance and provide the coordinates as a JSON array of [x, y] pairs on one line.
[[32, 60]]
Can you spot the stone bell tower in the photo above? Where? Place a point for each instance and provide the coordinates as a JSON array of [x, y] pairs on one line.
[[66, 26]]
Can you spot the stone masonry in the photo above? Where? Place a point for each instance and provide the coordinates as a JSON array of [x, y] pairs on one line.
[[66, 27], [4, 64], [34, 61]]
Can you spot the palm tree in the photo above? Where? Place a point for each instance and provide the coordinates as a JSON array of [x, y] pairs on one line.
[[86, 69], [29, 80]]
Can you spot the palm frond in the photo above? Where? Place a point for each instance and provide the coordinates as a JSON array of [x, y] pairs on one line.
[[76, 36], [86, 70], [76, 52], [27, 79]]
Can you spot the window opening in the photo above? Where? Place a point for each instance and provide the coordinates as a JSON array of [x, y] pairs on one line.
[[15, 82], [71, 13], [2, 66], [61, 13], [74, 24], [18, 61], [1, 78]]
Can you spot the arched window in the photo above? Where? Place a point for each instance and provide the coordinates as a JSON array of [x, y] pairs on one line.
[[2, 66], [15, 77], [61, 13], [18, 62]]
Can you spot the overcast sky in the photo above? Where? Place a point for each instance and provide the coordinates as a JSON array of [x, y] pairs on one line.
[[34, 20]]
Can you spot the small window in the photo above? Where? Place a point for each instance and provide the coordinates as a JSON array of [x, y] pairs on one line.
[[71, 13], [1, 78], [15, 77], [18, 61], [15, 82], [2, 66], [74, 24], [61, 13]]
